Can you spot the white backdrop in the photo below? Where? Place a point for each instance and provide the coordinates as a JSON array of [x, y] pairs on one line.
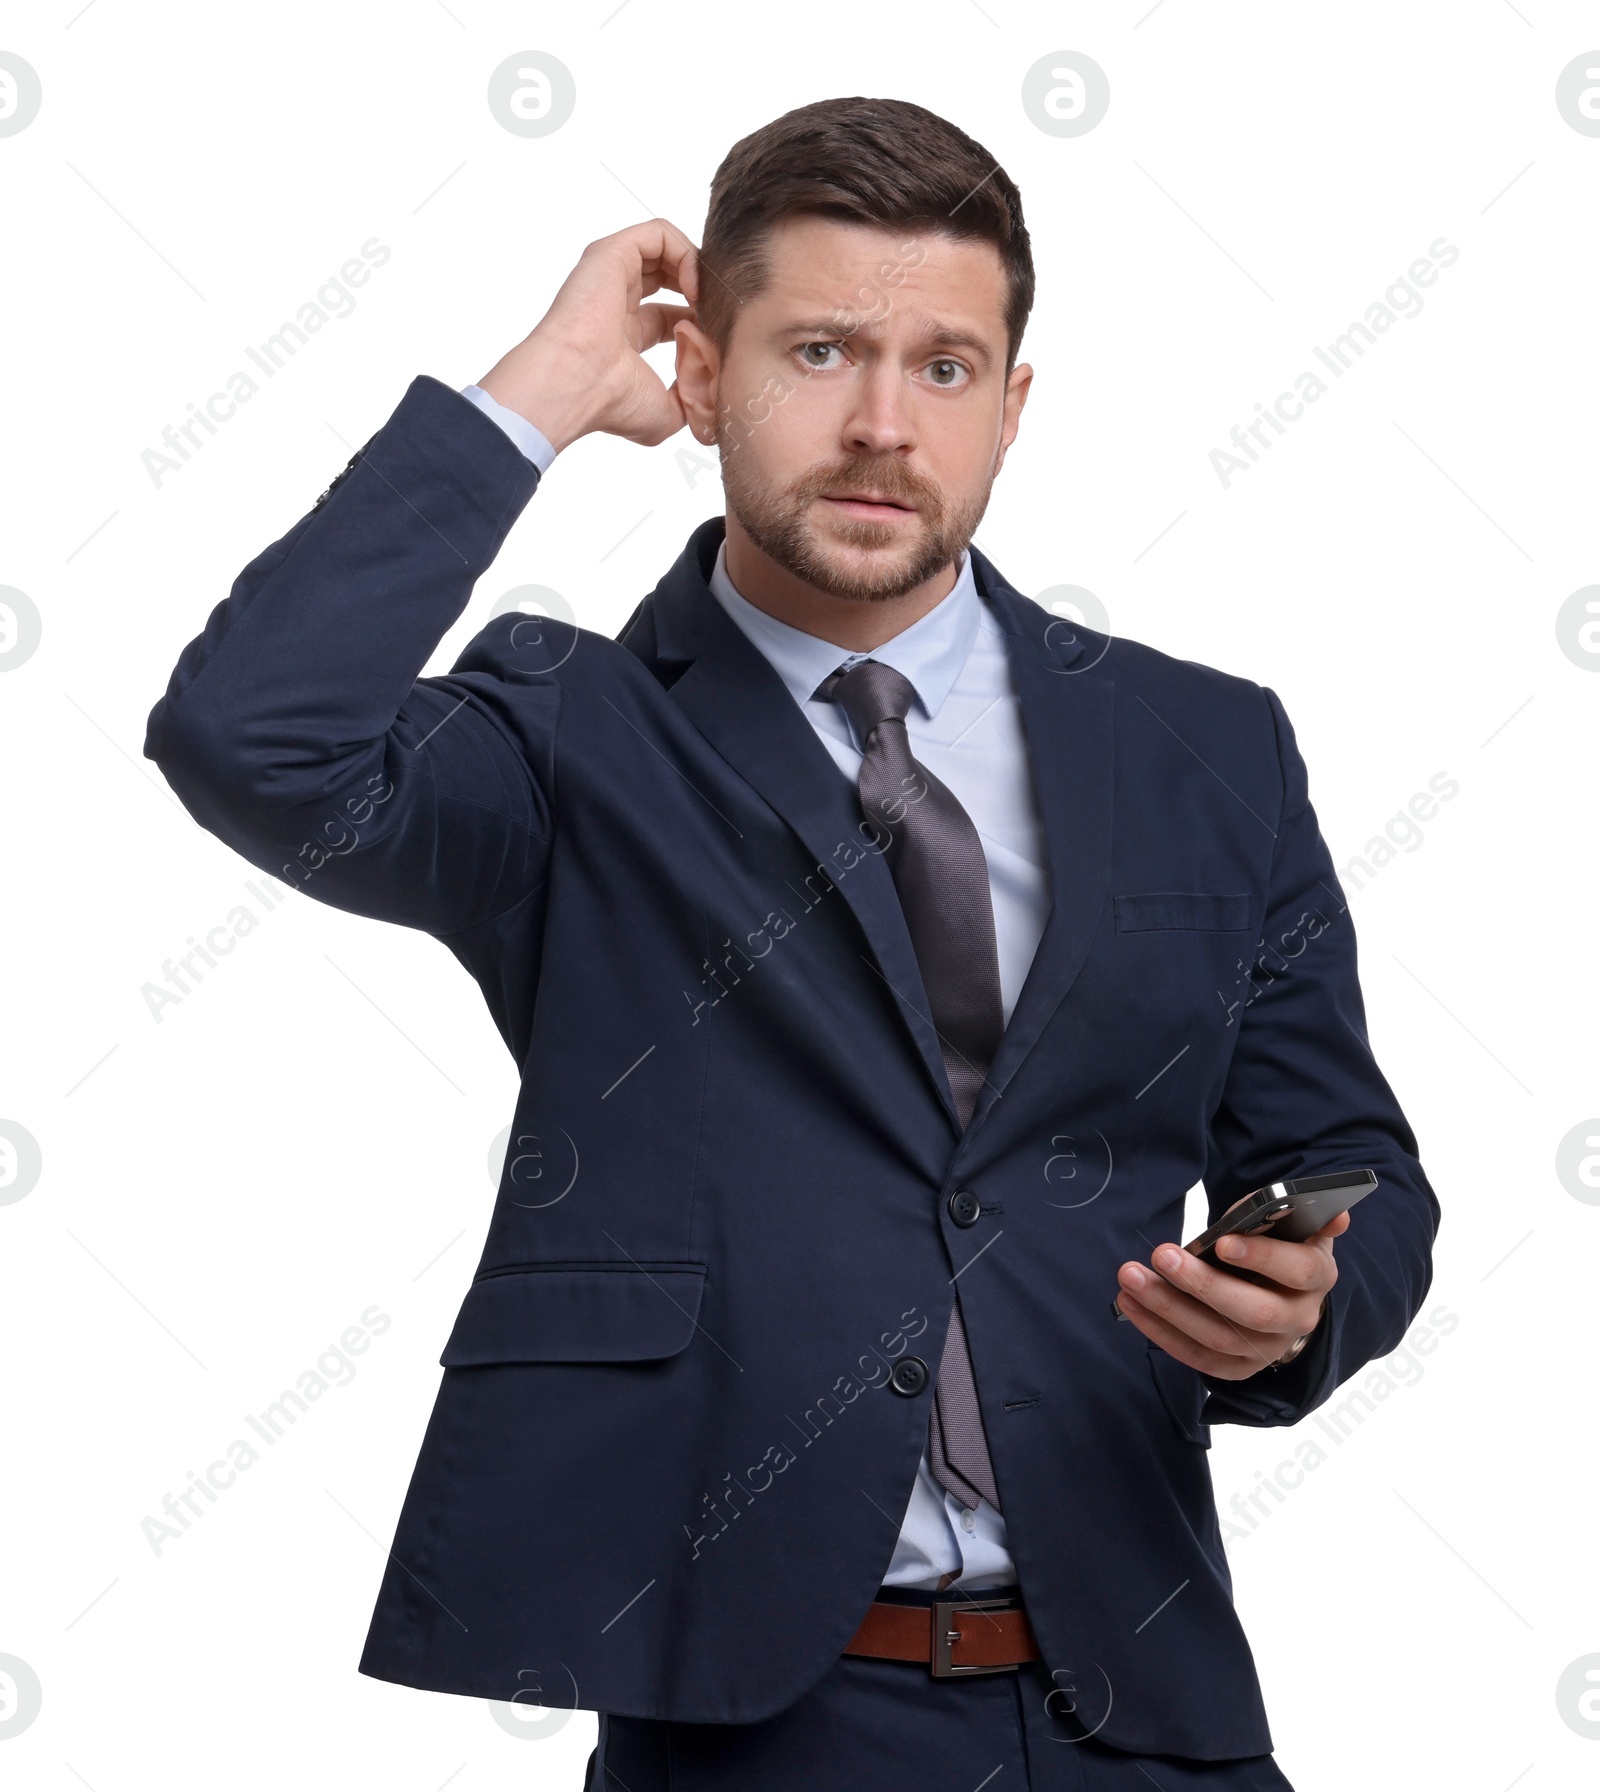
[[198, 1203]]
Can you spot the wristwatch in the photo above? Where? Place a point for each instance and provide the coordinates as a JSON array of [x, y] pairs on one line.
[[1302, 1341]]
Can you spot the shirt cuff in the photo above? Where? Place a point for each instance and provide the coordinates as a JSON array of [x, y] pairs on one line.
[[533, 442]]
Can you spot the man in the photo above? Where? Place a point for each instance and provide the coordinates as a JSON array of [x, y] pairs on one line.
[[865, 937]]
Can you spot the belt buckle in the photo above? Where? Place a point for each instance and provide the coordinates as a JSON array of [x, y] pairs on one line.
[[945, 1636]]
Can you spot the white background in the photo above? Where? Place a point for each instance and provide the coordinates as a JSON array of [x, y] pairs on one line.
[[309, 1132]]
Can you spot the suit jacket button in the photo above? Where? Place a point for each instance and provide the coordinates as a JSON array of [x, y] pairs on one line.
[[909, 1375], [963, 1206]]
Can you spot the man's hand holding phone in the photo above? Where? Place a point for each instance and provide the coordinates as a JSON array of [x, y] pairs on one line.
[[1218, 1322]]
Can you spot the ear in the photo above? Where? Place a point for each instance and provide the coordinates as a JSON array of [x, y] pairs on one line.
[[1016, 397], [698, 367]]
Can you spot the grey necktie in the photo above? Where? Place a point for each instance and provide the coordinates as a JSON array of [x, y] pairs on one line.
[[937, 862]]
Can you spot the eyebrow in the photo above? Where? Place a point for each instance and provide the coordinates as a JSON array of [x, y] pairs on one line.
[[946, 335]]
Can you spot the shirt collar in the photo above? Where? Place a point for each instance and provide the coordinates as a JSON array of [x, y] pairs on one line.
[[930, 653]]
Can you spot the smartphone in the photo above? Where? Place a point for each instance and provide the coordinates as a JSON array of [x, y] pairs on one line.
[[1293, 1209]]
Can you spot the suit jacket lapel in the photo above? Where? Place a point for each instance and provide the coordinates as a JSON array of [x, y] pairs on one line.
[[1066, 692], [737, 701]]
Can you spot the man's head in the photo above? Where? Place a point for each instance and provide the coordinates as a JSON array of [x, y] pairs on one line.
[[865, 276]]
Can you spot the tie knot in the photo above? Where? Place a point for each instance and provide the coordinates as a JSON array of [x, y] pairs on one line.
[[869, 693]]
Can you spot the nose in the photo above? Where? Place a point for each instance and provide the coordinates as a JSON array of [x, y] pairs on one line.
[[880, 420]]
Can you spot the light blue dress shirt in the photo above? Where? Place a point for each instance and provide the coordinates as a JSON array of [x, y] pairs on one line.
[[966, 728], [533, 442]]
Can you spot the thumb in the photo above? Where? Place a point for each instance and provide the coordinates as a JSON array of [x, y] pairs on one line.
[[1324, 1239]]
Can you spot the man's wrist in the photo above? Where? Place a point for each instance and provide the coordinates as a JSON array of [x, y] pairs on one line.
[[528, 437], [1303, 1340], [536, 380]]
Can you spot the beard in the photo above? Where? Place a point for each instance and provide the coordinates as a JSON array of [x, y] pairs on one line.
[[780, 521]]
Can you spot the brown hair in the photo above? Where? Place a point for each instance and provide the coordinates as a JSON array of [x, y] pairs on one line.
[[881, 162]]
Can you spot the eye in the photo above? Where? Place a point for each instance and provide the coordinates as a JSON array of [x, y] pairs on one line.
[[825, 346], [949, 374]]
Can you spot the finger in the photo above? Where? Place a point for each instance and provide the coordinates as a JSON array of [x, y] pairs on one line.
[[665, 257], [679, 264], [657, 323], [667, 419], [1201, 1323], [1245, 1303], [1305, 1267], [1187, 1349]]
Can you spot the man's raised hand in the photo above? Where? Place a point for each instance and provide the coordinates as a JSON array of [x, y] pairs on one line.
[[582, 367]]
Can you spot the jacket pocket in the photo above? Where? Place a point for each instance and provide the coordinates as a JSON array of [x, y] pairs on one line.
[[577, 1313], [1183, 1392], [1195, 910]]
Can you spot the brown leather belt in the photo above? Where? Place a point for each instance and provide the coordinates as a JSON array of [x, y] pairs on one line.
[[972, 1635]]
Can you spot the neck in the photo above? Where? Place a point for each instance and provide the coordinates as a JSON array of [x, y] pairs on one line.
[[854, 623]]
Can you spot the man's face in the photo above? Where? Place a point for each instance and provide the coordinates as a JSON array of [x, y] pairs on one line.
[[862, 410]]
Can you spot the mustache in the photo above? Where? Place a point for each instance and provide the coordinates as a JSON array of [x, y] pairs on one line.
[[890, 478]]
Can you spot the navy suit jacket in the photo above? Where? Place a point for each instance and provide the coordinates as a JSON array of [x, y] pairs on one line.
[[665, 1454]]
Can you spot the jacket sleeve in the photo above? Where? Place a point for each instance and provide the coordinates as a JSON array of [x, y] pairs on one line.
[[296, 727], [1304, 1096]]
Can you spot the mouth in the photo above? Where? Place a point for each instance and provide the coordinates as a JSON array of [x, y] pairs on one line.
[[869, 505]]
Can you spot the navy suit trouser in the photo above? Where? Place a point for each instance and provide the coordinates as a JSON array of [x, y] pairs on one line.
[[890, 1726]]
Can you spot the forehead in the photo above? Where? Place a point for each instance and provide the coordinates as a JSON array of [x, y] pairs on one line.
[[881, 278]]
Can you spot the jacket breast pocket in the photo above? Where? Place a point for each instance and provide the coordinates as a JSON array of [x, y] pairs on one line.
[[1183, 1393], [1195, 911], [577, 1313]]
